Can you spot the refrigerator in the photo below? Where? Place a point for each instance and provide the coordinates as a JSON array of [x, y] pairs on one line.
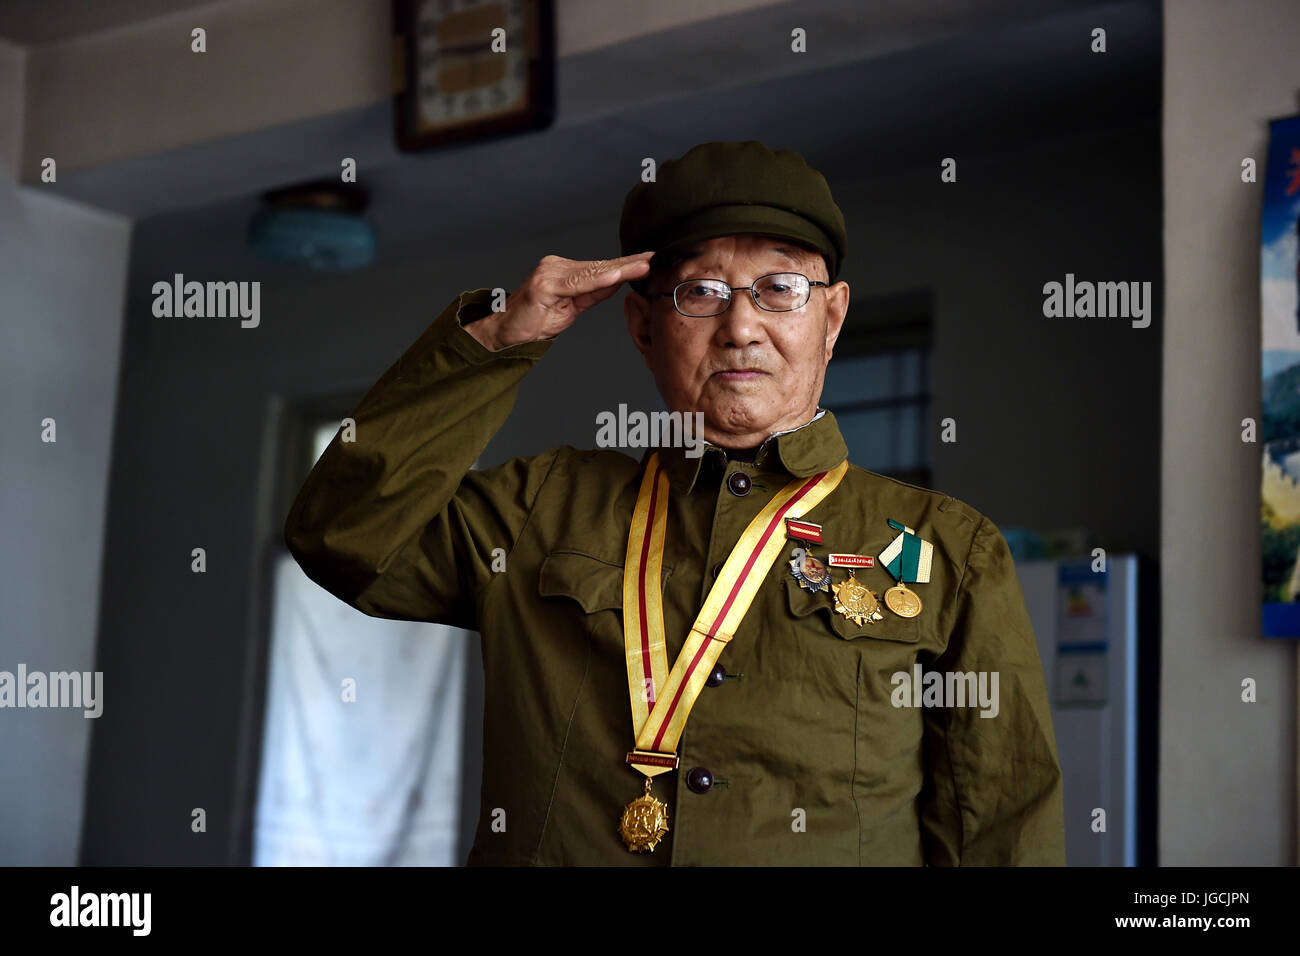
[[1085, 621]]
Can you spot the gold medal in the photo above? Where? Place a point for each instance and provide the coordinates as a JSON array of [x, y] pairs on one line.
[[903, 601], [644, 822], [908, 558], [856, 601]]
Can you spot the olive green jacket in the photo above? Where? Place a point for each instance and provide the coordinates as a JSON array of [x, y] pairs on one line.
[[811, 761]]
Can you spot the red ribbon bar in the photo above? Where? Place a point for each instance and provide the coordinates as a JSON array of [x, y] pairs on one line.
[[653, 760], [804, 530], [851, 560]]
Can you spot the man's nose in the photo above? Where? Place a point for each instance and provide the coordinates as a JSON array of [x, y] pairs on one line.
[[743, 323]]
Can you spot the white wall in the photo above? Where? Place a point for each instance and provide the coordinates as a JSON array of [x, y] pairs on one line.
[[1227, 769], [62, 283]]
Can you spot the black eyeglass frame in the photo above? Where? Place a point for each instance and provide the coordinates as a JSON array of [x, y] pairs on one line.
[[753, 293]]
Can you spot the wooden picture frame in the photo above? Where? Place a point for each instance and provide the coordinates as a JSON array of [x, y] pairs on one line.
[[453, 86]]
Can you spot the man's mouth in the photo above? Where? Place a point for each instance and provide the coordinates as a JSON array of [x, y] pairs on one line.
[[738, 374]]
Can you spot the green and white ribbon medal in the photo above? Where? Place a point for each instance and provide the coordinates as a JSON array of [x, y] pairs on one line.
[[907, 558]]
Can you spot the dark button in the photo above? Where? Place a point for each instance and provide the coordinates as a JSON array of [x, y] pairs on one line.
[[699, 779], [738, 483], [717, 677], [717, 569]]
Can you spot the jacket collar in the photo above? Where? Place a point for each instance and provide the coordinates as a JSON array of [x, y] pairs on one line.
[[806, 450]]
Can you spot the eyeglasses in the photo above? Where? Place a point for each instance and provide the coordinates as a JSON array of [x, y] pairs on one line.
[[777, 292]]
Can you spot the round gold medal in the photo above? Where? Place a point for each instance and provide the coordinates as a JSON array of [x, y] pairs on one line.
[[903, 601], [644, 823]]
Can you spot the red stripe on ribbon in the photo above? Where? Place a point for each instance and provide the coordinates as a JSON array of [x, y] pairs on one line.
[[647, 671], [735, 590]]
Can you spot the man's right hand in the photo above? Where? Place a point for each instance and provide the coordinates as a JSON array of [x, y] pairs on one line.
[[553, 295]]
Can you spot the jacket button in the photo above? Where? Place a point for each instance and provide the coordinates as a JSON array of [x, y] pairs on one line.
[[717, 677], [738, 484], [717, 569], [699, 779]]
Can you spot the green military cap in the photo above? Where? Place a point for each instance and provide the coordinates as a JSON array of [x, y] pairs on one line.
[[725, 189]]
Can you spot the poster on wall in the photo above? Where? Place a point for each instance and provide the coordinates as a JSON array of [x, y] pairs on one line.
[[1279, 426]]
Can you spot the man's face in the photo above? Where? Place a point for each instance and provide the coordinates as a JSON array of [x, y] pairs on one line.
[[750, 371]]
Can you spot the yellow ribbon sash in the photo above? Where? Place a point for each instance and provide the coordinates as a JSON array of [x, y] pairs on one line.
[[662, 699]]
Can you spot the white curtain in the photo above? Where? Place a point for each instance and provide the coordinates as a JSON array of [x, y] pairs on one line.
[[370, 782]]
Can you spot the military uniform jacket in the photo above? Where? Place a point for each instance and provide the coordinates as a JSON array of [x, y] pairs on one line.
[[812, 762]]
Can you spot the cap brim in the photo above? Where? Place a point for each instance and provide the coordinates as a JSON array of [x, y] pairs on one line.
[[735, 220]]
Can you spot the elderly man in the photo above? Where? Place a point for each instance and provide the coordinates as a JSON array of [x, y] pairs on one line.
[[758, 654]]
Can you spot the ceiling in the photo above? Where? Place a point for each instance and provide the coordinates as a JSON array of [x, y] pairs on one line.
[[39, 22]]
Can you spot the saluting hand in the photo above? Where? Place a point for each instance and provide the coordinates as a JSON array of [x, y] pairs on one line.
[[554, 294]]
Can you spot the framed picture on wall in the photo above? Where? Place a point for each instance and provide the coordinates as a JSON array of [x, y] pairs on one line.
[[472, 69]]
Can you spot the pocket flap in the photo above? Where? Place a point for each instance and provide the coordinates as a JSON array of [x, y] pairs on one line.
[[595, 583]]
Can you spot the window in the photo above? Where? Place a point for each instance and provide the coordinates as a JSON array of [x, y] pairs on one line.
[[878, 386]]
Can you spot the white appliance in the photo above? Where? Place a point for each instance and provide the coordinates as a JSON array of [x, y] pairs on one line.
[[1086, 625]]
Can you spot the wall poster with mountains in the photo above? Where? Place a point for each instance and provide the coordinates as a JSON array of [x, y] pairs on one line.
[[1279, 426]]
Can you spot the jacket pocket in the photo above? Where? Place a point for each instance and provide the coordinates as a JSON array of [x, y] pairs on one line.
[[595, 583], [804, 602]]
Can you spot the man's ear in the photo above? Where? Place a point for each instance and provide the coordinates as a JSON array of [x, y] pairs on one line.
[[636, 309], [837, 309]]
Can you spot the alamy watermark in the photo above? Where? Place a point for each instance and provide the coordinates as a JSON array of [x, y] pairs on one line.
[[1087, 300], [651, 430], [946, 689], [56, 689], [211, 300], [76, 908]]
